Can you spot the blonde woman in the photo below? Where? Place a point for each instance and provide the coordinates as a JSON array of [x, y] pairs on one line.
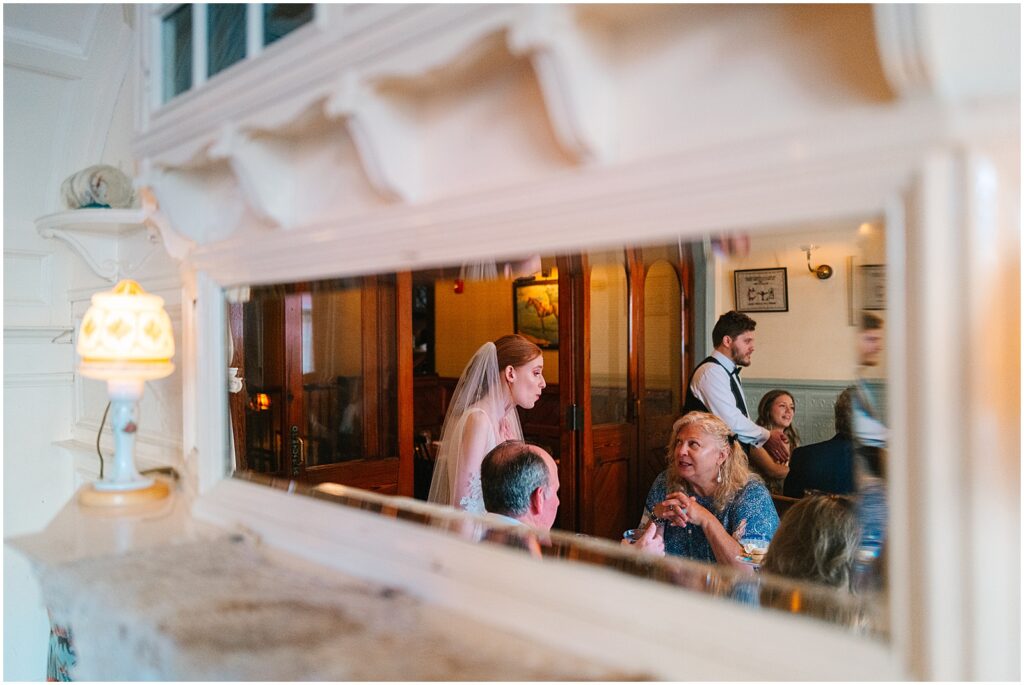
[[708, 497], [817, 541]]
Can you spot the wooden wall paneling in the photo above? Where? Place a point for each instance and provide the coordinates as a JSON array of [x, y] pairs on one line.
[[404, 338], [611, 492], [614, 445], [378, 475], [543, 424]]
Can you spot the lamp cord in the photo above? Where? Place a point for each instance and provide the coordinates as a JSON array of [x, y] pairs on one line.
[[103, 421], [165, 470]]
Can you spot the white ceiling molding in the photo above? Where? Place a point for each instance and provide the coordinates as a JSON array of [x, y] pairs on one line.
[[574, 83]]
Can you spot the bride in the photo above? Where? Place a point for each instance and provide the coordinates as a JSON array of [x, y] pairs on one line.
[[501, 375]]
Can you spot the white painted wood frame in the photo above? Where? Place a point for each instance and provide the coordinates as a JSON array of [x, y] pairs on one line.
[[756, 186]]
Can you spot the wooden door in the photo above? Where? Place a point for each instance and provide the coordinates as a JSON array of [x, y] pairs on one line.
[[336, 359], [666, 356], [606, 366], [630, 356]]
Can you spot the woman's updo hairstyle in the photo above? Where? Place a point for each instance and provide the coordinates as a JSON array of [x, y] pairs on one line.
[[515, 350]]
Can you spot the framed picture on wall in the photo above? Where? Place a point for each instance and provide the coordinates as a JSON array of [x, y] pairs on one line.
[[872, 285], [865, 287], [761, 290], [535, 311]]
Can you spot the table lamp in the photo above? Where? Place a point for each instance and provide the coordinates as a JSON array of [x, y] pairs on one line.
[[126, 340]]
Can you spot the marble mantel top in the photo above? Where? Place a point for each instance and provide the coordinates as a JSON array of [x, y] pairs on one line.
[[161, 598]]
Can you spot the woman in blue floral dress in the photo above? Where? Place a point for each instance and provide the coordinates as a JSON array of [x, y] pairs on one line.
[[708, 499]]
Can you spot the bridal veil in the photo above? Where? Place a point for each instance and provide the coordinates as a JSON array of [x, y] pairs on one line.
[[480, 388]]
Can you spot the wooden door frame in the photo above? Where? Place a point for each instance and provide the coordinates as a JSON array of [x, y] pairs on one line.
[[238, 401], [573, 433], [636, 273], [293, 461]]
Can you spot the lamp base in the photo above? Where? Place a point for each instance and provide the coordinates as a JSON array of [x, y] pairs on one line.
[[91, 496]]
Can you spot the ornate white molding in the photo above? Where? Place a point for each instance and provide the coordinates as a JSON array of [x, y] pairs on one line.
[[953, 53], [574, 84], [383, 134], [901, 48]]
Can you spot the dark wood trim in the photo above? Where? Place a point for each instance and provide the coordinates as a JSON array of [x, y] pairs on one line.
[[689, 311], [295, 415], [377, 475], [587, 466], [570, 335], [405, 344], [369, 307], [237, 402], [636, 272]]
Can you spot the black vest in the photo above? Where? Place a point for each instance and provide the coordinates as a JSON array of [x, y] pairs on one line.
[[694, 404]]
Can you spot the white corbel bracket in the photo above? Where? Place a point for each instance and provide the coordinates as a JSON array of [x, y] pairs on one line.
[[952, 53], [199, 203], [95, 235], [574, 84], [383, 135], [262, 174]]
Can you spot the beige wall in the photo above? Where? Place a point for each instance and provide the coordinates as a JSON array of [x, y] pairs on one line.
[[815, 339], [464, 322]]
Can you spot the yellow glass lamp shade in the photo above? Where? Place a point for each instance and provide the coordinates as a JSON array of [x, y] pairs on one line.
[[126, 334], [126, 339]]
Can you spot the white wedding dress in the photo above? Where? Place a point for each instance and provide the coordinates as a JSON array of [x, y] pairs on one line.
[[480, 391]]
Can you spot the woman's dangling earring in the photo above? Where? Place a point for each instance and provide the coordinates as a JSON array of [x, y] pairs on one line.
[[720, 469]]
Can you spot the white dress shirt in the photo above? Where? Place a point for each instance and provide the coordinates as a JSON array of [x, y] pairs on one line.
[[711, 385], [868, 429]]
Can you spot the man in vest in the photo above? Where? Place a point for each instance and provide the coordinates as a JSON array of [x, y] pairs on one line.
[[715, 385]]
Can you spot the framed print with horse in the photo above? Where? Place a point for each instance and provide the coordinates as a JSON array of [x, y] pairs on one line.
[[535, 311]]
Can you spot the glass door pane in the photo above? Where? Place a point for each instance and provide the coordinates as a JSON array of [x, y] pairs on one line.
[[609, 338], [663, 360]]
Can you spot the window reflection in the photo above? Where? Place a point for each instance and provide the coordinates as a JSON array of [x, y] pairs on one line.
[[280, 19], [226, 36], [176, 39]]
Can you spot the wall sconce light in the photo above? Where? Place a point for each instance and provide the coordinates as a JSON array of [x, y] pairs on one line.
[[824, 271], [126, 340]]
